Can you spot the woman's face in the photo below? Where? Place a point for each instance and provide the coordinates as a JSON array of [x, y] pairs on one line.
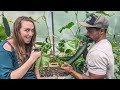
[[27, 31]]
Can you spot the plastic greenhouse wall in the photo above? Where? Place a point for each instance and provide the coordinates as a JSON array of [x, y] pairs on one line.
[[61, 18]]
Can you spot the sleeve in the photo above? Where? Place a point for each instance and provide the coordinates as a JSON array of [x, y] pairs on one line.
[[6, 65], [97, 63]]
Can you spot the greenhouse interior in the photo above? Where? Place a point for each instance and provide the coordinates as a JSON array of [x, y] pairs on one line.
[[58, 37]]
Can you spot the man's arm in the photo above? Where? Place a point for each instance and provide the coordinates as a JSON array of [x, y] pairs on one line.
[[82, 76], [69, 69]]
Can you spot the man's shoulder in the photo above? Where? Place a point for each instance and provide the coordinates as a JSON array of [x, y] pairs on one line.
[[104, 47]]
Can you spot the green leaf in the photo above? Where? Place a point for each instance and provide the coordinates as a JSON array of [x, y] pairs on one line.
[[62, 29], [9, 20], [61, 49], [69, 25], [38, 63], [68, 51], [3, 35], [42, 61], [40, 43], [76, 40], [61, 46], [46, 47], [70, 45]]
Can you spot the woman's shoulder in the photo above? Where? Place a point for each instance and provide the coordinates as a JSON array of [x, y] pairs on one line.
[[1, 44], [4, 46]]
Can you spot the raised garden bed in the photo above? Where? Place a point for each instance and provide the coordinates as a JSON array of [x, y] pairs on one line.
[[53, 71]]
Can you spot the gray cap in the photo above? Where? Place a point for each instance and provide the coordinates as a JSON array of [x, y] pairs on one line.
[[96, 21]]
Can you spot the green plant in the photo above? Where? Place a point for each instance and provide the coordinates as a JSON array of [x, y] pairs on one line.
[[6, 25], [45, 55], [116, 51], [3, 35]]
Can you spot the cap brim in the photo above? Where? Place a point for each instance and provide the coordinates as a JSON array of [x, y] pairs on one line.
[[86, 24]]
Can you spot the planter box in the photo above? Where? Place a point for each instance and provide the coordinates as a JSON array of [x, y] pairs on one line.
[[53, 71]]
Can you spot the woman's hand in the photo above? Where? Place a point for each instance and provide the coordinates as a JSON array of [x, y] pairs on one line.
[[35, 55]]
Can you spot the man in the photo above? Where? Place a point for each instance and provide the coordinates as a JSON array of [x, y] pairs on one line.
[[99, 60]]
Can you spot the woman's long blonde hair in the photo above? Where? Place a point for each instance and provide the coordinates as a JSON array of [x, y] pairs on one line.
[[21, 48]]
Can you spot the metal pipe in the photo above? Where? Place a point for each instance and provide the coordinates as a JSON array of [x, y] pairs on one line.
[[52, 17]]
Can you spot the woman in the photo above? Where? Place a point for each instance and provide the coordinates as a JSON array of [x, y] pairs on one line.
[[17, 56]]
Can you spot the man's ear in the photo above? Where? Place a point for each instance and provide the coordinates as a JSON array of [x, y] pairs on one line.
[[102, 30]]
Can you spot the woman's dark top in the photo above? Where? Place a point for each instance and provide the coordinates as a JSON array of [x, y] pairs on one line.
[[9, 62]]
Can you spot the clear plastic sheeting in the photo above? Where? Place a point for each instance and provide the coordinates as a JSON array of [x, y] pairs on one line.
[[62, 18]]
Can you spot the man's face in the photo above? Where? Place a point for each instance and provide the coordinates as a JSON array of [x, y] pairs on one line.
[[27, 31], [93, 34]]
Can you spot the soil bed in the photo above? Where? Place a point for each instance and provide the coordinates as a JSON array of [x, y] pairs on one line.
[[53, 71]]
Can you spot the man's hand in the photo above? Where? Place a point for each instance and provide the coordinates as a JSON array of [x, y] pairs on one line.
[[67, 67], [84, 43]]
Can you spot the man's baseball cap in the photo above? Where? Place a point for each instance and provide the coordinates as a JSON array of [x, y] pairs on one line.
[[96, 21]]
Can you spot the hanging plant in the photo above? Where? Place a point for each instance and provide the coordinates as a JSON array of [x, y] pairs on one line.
[[6, 25]]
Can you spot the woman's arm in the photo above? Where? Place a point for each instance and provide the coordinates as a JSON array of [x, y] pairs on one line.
[[37, 73], [21, 71]]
